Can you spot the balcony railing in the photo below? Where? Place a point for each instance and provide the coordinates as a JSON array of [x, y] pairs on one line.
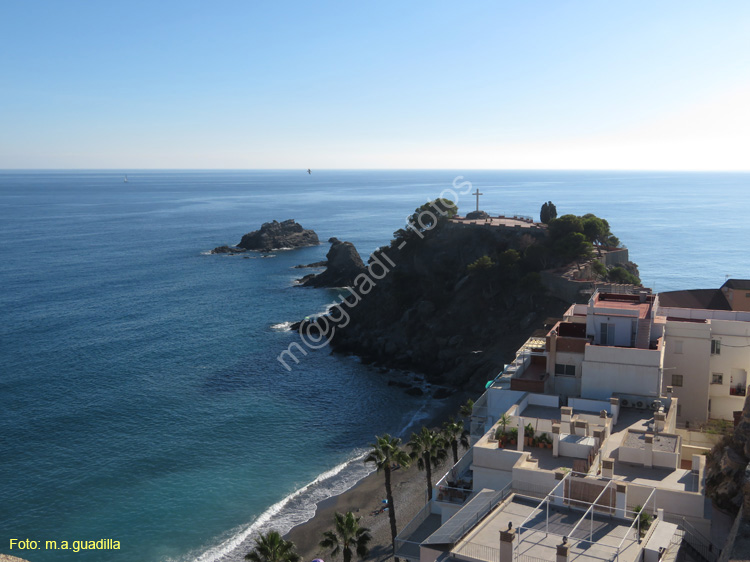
[[738, 390]]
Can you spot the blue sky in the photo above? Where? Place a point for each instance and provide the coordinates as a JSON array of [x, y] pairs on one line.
[[482, 84]]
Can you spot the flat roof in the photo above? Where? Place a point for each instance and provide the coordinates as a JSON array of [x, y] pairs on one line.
[[605, 300], [637, 440], [540, 536]]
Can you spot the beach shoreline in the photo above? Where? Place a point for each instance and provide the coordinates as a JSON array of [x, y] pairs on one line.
[[365, 500]]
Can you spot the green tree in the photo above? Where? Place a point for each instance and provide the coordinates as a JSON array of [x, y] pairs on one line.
[[428, 449], [566, 224], [455, 434], [509, 258], [596, 230], [573, 247], [347, 537], [481, 264], [271, 547], [426, 217], [384, 453], [548, 212], [621, 275], [466, 409], [599, 269], [503, 421]]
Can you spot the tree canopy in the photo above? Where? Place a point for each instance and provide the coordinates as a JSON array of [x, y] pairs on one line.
[[271, 547], [548, 212]]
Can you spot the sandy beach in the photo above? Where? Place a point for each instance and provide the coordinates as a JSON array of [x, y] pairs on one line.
[[409, 496]]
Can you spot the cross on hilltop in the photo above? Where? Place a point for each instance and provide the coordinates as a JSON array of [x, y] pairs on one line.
[[477, 194]]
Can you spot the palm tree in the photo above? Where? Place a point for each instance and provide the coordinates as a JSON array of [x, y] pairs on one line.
[[347, 535], [454, 433], [466, 409], [272, 548], [504, 421], [428, 447], [385, 452]]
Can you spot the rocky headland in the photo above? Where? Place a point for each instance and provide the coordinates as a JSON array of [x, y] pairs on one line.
[[451, 301], [343, 265], [273, 235]]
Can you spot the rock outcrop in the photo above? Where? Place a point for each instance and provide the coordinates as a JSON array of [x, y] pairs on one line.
[[727, 477], [343, 265], [273, 235], [279, 235], [227, 250], [431, 313]]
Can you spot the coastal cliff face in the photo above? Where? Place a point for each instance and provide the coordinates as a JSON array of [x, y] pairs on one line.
[[343, 265], [454, 305], [727, 468]]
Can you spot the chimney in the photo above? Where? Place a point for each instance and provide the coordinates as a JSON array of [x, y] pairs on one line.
[[506, 544], [648, 451]]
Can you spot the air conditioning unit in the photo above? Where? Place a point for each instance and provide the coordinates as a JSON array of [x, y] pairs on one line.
[[640, 404], [624, 402]]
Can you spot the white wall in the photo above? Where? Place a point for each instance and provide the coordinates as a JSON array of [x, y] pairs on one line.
[[548, 400], [567, 386], [688, 353], [499, 400], [589, 405], [491, 478], [601, 379]]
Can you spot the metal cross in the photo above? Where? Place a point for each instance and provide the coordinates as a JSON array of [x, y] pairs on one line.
[[477, 194]]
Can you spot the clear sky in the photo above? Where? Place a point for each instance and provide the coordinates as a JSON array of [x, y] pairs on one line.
[[582, 84]]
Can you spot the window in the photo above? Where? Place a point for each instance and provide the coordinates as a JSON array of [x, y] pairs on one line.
[[607, 334], [565, 370], [678, 346], [676, 380], [715, 347], [679, 410], [717, 378]]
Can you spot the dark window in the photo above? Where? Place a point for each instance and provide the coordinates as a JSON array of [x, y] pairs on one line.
[[676, 380], [715, 347], [565, 370]]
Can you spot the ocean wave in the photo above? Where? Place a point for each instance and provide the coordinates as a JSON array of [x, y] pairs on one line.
[[282, 326], [296, 508], [300, 506]]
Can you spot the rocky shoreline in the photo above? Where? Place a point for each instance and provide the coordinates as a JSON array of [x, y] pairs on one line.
[[272, 236]]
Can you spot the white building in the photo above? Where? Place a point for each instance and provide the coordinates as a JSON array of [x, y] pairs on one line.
[[707, 355]]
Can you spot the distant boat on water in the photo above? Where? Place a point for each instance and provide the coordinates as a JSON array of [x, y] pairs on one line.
[[126, 179]]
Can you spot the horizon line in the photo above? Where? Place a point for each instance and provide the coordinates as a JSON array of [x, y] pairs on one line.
[[697, 170]]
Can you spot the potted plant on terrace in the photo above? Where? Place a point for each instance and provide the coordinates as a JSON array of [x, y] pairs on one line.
[[528, 434], [513, 435]]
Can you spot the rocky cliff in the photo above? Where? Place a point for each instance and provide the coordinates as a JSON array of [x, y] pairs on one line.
[[452, 303], [727, 474], [343, 265], [273, 235]]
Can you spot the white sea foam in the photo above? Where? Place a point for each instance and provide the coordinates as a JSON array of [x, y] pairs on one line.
[[282, 327], [295, 509]]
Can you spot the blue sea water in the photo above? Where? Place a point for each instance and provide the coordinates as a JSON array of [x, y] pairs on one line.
[[141, 396]]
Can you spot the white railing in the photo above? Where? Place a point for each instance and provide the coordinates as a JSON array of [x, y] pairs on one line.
[[454, 473], [476, 551], [414, 524]]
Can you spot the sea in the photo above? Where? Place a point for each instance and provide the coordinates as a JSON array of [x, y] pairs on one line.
[[142, 399]]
